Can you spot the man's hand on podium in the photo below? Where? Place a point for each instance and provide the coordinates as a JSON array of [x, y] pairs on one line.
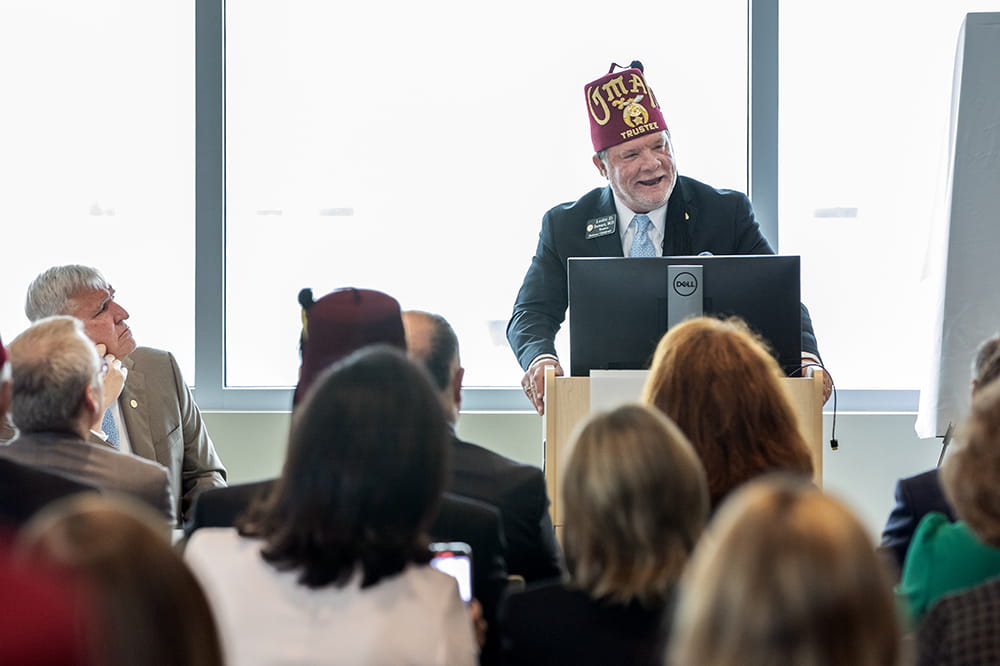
[[533, 382], [809, 363]]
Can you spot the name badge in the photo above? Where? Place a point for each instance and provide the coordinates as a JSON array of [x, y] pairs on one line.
[[601, 226]]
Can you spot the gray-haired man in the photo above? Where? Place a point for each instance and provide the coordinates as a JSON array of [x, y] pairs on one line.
[[57, 399], [155, 416]]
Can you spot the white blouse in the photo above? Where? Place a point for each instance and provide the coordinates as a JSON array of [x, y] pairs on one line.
[[266, 617]]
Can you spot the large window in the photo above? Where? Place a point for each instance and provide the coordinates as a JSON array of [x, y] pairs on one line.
[[97, 156], [865, 102], [413, 148]]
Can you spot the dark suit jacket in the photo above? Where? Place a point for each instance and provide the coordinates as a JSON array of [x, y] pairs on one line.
[[961, 629], [24, 490], [518, 491], [99, 466], [458, 519], [164, 425], [916, 496], [699, 219], [555, 624]]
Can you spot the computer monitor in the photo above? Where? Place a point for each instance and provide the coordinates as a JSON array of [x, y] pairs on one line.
[[618, 306]]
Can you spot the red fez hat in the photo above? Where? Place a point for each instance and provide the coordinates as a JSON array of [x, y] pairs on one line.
[[341, 323], [622, 107]]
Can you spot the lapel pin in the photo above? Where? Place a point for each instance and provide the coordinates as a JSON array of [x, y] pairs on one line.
[[686, 217], [133, 403]]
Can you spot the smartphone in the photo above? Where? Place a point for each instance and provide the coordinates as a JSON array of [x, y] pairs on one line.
[[455, 559]]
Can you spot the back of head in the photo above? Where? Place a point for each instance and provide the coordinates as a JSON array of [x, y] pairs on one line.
[[49, 293], [785, 575], [363, 476], [986, 363], [53, 364], [722, 388], [145, 605], [431, 340], [635, 503], [970, 474], [343, 322]]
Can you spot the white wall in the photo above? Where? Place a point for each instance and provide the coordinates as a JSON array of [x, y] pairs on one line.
[[875, 450]]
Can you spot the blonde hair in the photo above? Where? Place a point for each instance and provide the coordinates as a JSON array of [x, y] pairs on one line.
[[720, 385], [785, 575], [970, 474], [145, 605], [635, 503]]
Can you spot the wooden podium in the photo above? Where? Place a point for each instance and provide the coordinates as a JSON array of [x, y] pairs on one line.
[[567, 404]]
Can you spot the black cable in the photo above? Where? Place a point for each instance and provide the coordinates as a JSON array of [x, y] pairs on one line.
[[834, 444]]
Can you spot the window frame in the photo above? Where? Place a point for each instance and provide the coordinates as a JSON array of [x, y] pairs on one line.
[[210, 220]]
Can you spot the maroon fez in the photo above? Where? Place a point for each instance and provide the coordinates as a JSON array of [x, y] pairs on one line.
[[3, 354], [622, 107], [341, 323]]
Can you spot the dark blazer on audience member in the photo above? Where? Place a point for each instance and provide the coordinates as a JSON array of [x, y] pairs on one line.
[[557, 624], [518, 491], [459, 519], [25, 490], [961, 629], [916, 496], [100, 466]]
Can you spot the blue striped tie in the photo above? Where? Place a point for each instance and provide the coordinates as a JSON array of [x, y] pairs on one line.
[[110, 428], [641, 245]]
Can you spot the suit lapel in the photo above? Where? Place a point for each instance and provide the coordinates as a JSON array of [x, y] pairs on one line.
[[135, 412], [681, 217]]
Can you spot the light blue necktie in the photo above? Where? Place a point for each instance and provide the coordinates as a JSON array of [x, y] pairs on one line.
[[110, 428], [641, 245]]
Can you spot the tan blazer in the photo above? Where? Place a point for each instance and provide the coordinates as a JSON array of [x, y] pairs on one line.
[[164, 425]]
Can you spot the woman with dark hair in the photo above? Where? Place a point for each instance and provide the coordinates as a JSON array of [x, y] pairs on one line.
[[718, 382], [330, 568], [635, 504]]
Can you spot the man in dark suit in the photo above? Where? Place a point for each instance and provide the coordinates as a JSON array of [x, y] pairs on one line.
[[150, 412], [517, 490], [57, 398], [918, 495], [646, 210]]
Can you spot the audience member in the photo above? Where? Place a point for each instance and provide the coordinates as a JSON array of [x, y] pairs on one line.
[[718, 382], [785, 575], [458, 519], [334, 326], [636, 501], [332, 564], [916, 496], [56, 400], [24, 490], [949, 557], [154, 416], [516, 489], [961, 629], [144, 605]]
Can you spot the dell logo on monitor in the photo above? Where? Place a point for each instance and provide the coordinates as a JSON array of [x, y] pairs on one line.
[[685, 284]]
